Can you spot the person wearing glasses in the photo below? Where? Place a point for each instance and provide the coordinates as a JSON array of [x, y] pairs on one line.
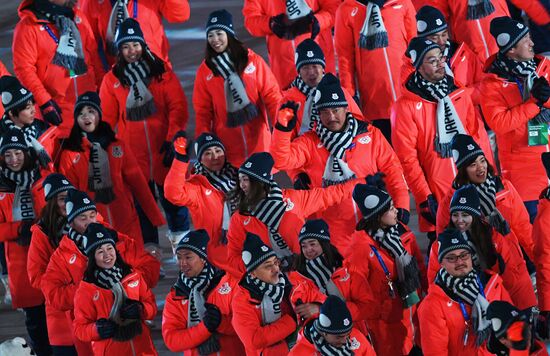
[[453, 314], [432, 110]]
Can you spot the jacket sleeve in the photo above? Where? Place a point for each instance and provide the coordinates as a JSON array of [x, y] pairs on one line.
[[9, 230], [361, 299], [289, 154], [410, 20], [443, 213], [178, 113], [499, 116], [133, 176], [57, 285], [404, 138], [203, 104], [270, 93], [318, 199], [325, 15], [25, 58], [90, 46], [235, 240], [305, 290], [175, 333], [433, 263], [248, 326], [177, 189], [175, 10], [415, 251], [85, 316], [256, 21], [147, 299], [37, 258], [345, 48], [70, 169], [109, 102], [434, 331], [519, 222], [441, 5]]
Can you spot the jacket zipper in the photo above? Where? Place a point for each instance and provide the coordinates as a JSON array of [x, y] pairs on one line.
[[132, 346], [394, 95], [109, 215], [148, 150], [483, 39], [244, 142]]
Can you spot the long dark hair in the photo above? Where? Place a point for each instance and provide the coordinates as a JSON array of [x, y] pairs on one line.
[[372, 224], [92, 266], [29, 162], [462, 179], [156, 65], [74, 141], [52, 222], [330, 252], [257, 192], [238, 53], [481, 234]]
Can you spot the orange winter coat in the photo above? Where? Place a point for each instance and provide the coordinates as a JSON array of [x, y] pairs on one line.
[[515, 277], [541, 236], [359, 345], [257, 14], [476, 32], [507, 115], [23, 294], [392, 326], [442, 324], [211, 115], [33, 51], [149, 13], [300, 205], [95, 303], [146, 137], [414, 128], [509, 203], [179, 338], [128, 181], [368, 154], [377, 72]]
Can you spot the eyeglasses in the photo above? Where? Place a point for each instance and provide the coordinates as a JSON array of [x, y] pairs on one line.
[[454, 258], [436, 61]]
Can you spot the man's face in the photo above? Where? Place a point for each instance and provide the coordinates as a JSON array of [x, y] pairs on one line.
[[458, 262], [440, 38], [333, 119], [65, 3], [312, 74], [337, 340], [433, 67], [268, 271], [523, 50]]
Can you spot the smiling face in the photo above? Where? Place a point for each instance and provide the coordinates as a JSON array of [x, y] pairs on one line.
[[217, 39], [88, 119], [477, 170], [131, 51], [15, 159], [213, 158], [311, 248], [190, 263], [462, 220], [105, 256]]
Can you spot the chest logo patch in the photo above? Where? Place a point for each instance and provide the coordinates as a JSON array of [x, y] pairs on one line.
[[354, 344], [250, 69], [364, 140], [208, 191], [289, 205], [224, 289], [117, 152], [72, 259], [133, 284], [96, 296]]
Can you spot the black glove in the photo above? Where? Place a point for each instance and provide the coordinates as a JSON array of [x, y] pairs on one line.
[[212, 317], [541, 327], [180, 146], [428, 209], [302, 181], [131, 309], [282, 116], [357, 100], [315, 27], [24, 233], [168, 149], [277, 25], [51, 112], [403, 215], [540, 90], [376, 180], [105, 328]]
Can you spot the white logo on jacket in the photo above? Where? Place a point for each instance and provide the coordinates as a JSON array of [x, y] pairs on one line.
[[72, 259], [364, 140], [208, 191], [77, 20], [224, 289], [251, 68], [354, 343], [96, 296], [116, 85], [289, 204], [346, 276], [133, 284], [2, 196], [247, 221], [209, 76], [354, 11]]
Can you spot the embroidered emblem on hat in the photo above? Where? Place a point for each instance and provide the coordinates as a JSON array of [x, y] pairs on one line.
[[324, 320], [209, 138], [419, 105], [64, 181], [503, 39], [224, 289], [371, 201], [96, 296], [335, 96], [47, 189], [514, 313], [438, 22], [309, 54], [247, 257], [6, 97], [346, 322], [23, 91], [248, 165], [130, 31], [133, 284], [303, 230], [470, 147], [86, 201], [455, 241], [421, 26], [427, 42], [413, 54], [99, 234], [462, 200], [354, 344], [185, 239], [520, 26], [264, 248], [116, 85], [214, 19], [14, 139], [117, 151], [72, 259]]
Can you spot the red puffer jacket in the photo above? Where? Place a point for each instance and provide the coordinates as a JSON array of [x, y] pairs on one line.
[[128, 181], [442, 324], [414, 129], [149, 13], [33, 51], [515, 277], [179, 338], [257, 14], [377, 72], [22, 293], [368, 154], [211, 114], [392, 327], [509, 203], [145, 138], [541, 236], [95, 303], [476, 32], [40, 252], [507, 115], [300, 205]]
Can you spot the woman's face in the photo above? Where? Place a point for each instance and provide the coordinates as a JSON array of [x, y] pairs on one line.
[[389, 218], [105, 256], [15, 159], [60, 200], [131, 51], [25, 116], [311, 248], [213, 158], [244, 183], [88, 119], [477, 170], [217, 39], [462, 220]]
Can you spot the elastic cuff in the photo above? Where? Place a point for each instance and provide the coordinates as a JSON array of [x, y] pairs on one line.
[[280, 127]]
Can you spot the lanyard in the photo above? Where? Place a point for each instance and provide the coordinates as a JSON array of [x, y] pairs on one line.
[[465, 313], [386, 271], [52, 35]]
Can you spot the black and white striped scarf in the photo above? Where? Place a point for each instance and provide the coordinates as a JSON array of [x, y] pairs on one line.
[[487, 192], [319, 270], [119, 13], [296, 9], [81, 241], [272, 297], [196, 286], [336, 169], [373, 34], [139, 102], [546, 193], [478, 9], [309, 92], [526, 72], [31, 138], [270, 211], [448, 122], [99, 173], [108, 277], [23, 206], [239, 108], [468, 289], [323, 347]]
